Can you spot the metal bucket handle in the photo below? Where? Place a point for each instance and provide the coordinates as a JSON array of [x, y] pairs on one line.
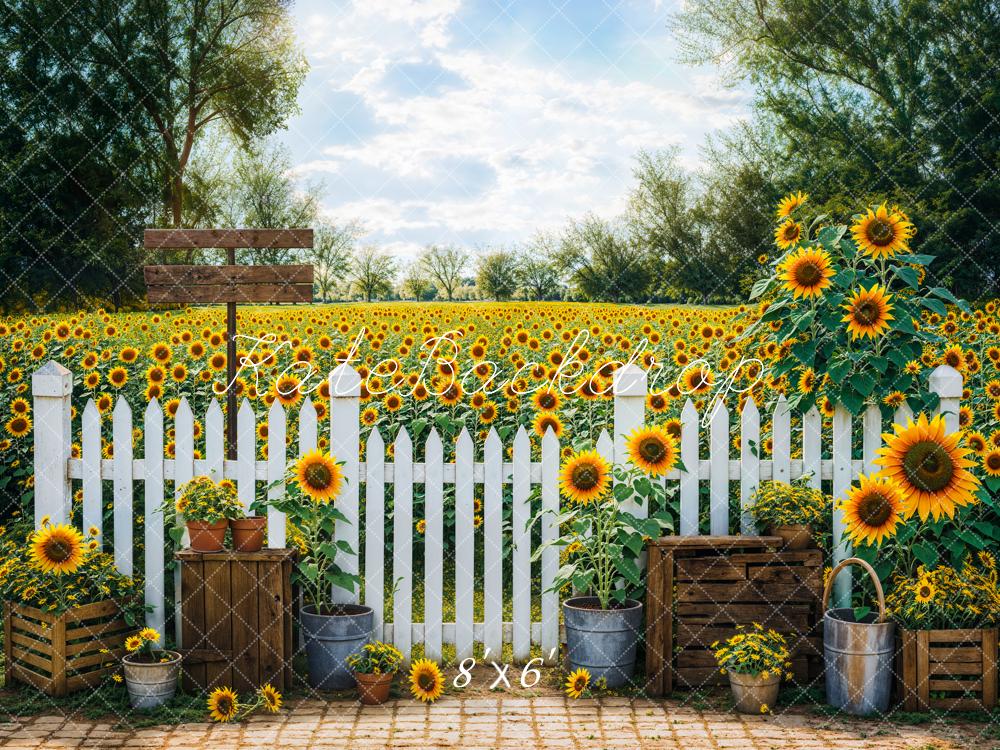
[[871, 573]]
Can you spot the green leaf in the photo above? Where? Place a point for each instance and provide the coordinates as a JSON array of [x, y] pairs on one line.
[[838, 370], [861, 613], [934, 305], [850, 399], [627, 567], [805, 352], [829, 236], [909, 276], [760, 286], [863, 383], [919, 260], [925, 552]]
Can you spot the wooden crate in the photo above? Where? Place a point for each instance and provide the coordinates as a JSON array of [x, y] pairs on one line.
[[701, 587], [236, 619], [65, 653], [958, 666]]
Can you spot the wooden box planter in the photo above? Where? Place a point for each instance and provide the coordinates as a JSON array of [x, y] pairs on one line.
[[701, 587], [65, 653], [236, 619], [948, 670]]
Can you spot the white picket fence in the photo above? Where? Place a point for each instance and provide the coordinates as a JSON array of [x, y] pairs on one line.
[[55, 470]]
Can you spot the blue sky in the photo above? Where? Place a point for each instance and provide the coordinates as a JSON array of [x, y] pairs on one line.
[[479, 122]]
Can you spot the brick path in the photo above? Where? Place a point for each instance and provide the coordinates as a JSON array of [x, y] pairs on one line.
[[497, 722]]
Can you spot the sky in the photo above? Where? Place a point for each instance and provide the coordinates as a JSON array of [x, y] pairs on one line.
[[480, 122]]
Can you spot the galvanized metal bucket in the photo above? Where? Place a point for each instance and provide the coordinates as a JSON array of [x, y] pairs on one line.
[[330, 639], [858, 654], [602, 641], [151, 684]]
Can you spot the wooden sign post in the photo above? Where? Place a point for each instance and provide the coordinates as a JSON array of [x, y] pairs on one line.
[[232, 284]]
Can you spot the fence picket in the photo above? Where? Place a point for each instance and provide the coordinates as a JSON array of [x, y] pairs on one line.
[[689, 477], [246, 454], [183, 473], [749, 463], [781, 435], [153, 556], [719, 469], [402, 543], [946, 382], [123, 511], [871, 437], [842, 476], [93, 495], [345, 392], [465, 545], [375, 529], [606, 446], [630, 384], [520, 516], [550, 556], [812, 446], [277, 457], [308, 430], [493, 545], [433, 546], [215, 431]]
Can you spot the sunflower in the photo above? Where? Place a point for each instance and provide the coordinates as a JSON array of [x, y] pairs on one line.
[[868, 312], [806, 272], [57, 549], [788, 234], [872, 510], [924, 591], [18, 426], [652, 449], [546, 399], [270, 697], [577, 683], [991, 463], [788, 204], [426, 680], [545, 420], [929, 467], [585, 476], [133, 643], [319, 475], [882, 233], [223, 704]]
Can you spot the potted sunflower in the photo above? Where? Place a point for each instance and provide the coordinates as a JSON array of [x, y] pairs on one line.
[[150, 672], [794, 512], [333, 631], [755, 660], [602, 543], [374, 668], [207, 508]]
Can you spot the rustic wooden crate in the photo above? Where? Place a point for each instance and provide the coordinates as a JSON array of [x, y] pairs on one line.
[[236, 619], [65, 653], [960, 665], [701, 587]]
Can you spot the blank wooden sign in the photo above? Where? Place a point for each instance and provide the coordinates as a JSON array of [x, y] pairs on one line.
[[217, 284], [166, 239]]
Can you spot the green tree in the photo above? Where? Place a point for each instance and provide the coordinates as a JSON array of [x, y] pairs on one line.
[[497, 275], [444, 265], [603, 263], [372, 273], [416, 285], [539, 276], [331, 256]]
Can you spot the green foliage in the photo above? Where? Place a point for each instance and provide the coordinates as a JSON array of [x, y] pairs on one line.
[[202, 499], [779, 503], [498, 275]]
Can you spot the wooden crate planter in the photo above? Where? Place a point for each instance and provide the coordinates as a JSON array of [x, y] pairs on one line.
[[948, 670], [65, 653], [236, 619], [701, 587]]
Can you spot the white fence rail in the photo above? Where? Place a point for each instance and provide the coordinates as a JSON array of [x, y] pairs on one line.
[[55, 471]]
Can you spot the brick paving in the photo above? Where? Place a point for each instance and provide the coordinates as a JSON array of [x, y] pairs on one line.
[[497, 722]]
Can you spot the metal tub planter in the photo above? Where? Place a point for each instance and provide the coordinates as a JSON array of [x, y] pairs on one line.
[[858, 653], [330, 638], [602, 641], [151, 680]]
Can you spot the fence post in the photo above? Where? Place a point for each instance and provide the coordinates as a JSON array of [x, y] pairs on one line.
[[946, 382], [629, 389], [51, 389], [345, 438]]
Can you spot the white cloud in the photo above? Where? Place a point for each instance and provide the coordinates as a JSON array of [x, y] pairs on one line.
[[506, 147]]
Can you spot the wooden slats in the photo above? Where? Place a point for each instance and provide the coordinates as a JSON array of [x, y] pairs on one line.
[[948, 670], [216, 284], [162, 239]]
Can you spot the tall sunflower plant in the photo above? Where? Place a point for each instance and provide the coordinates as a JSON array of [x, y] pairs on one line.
[[600, 542], [309, 503], [845, 302]]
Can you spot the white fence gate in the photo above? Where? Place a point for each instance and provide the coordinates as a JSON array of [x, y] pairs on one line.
[[55, 470]]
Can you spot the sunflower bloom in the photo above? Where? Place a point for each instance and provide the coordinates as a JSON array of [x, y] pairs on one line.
[[929, 466], [872, 510], [882, 233], [426, 681], [223, 704], [319, 476], [653, 450], [577, 683], [585, 476], [788, 204], [806, 272], [57, 549], [788, 234], [868, 312]]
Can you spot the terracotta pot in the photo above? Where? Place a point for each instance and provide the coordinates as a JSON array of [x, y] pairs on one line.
[[793, 536], [373, 689], [752, 693], [248, 533], [207, 537]]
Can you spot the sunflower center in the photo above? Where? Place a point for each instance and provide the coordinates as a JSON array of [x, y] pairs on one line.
[[866, 313], [993, 461], [791, 232], [928, 466], [318, 476], [652, 450], [925, 592], [426, 681], [58, 550], [547, 401], [880, 232], [808, 274], [875, 509], [585, 477]]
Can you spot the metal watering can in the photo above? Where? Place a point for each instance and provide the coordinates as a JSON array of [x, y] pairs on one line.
[[858, 654]]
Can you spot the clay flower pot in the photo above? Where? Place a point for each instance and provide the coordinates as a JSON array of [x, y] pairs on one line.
[[754, 694], [248, 533], [373, 689], [207, 537], [793, 536]]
